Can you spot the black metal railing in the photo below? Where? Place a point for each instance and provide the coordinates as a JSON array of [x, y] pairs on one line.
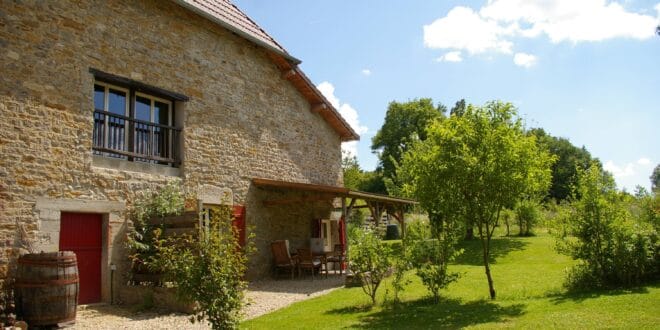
[[128, 138]]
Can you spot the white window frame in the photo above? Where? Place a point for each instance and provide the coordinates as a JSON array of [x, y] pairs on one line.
[[106, 107]]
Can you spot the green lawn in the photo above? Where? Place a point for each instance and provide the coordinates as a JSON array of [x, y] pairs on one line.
[[528, 275]]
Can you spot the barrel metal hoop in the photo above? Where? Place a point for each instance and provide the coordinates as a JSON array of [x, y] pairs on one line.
[[67, 262], [38, 284]]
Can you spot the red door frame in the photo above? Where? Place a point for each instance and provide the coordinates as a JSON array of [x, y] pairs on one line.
[[82, 233]]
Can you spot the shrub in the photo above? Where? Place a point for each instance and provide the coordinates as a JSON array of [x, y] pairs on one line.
[[168, 200], [615, 248], [430, 251], [527, 214], [507, 215], [369, 259], [208, 270]]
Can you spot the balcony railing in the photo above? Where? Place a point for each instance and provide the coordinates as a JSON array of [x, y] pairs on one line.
[[128, 138]]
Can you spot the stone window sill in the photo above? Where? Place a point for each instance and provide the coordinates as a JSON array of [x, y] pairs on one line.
[[124, 165]]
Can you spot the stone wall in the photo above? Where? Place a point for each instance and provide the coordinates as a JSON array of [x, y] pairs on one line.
[[242, 120]]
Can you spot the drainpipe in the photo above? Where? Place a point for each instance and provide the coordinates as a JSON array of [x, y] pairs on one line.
[[113, 267]]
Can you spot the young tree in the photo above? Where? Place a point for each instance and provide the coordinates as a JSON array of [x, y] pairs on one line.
[[369, 259], [208, 270], [473, 166], [429, 250]]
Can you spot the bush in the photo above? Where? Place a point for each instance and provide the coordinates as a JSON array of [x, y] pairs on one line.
[[615, 247], [430, 251], [527, 214], [168, 200], [208, 270], [369, 259]]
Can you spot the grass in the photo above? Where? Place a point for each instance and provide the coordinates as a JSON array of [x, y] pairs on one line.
[[528, 276]]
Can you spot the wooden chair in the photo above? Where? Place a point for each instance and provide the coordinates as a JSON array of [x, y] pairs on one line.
[[337, 257], [281, 257], [307, 261]]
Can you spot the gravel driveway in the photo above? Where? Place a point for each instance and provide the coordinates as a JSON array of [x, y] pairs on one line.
[[262, 297]]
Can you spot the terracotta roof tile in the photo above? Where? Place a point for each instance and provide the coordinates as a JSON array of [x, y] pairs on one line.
[[234, 19]]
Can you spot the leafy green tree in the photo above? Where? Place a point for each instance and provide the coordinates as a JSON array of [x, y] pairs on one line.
[[570, 159], [369, 259], [358, 179], [655, 179], [473, 166], [353, 174], [459, 108], [404, 124]]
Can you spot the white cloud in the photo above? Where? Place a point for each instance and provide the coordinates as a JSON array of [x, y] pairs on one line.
[[495, 26], [631, 174], [346, 111], [454, 56], [644, 161], [619, 171], [464, 29], [366, 72], [570, 20], [524, 60]]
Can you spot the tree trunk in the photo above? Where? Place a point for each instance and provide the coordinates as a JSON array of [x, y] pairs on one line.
[[485, 242], [490, 280], [469, 233]]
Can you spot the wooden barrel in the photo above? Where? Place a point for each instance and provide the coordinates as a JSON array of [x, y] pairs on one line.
[[47, 288]]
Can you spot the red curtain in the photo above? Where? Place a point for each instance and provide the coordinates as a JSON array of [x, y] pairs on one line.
[[342, 232]]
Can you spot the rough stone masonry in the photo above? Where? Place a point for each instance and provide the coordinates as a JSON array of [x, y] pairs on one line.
[[242, 120]]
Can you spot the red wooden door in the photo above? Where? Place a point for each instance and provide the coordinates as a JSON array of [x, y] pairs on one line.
[[81, 233]]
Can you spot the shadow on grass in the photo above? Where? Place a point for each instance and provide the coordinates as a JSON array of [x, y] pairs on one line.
[[582, 295], [423, 313], [500, 246]]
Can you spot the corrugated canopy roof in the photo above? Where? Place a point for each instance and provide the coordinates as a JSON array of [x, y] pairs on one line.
[[227, 15]]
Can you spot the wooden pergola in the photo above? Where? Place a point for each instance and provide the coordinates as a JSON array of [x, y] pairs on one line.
[[376, 203]]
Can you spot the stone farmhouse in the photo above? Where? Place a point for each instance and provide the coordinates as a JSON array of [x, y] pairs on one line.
[[101, 100]]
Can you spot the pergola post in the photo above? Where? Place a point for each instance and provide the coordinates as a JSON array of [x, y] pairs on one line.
[[344, 214]]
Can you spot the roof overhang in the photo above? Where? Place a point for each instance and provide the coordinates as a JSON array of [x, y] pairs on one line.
[[327, 191]]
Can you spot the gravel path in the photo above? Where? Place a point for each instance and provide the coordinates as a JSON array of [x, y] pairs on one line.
[[262, 297]]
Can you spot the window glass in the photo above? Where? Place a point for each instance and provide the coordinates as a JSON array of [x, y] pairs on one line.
[[142, 108], [117, 102], [161, 113], [99, 95]]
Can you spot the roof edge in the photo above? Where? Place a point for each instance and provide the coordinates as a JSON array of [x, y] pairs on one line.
[[353, 135], [240, 33], [327, 189]]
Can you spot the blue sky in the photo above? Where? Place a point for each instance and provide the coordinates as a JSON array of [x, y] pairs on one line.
[[586, 70]]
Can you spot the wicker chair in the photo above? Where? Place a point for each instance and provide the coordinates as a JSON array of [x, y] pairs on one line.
[[282, 258], [307, 261]]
